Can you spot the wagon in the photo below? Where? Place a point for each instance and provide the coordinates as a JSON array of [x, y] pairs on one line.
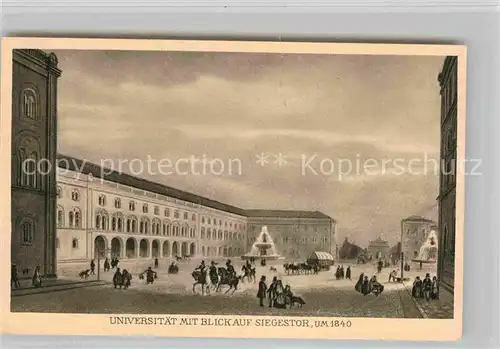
[[323, 259]]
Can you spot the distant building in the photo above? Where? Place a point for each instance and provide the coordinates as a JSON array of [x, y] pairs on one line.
[[296, 234], [446, 246], [349, 250], [379, 249], [34, 137], [415, 230]]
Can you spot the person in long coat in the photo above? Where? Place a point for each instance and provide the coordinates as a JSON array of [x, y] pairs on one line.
[[435, 288], [366, 286], [37, 278], [271, 291], [416, 290], [261, 294], [348, 273], [117, 278], [359, 284]]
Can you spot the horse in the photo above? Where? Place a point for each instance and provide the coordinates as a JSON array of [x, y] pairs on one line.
[[200, 278], [248, 272], [227, 279]]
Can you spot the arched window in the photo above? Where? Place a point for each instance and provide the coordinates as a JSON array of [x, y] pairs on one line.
[[193, 217], [157, 210], [167, 212], [220, 235], [118, 203], [27, 157], [74, 243], [60, 216], [102, 200], [71, 219], [214, 235], [145, 208], [209, 234], [27, 232], [131, 206], [98, 222], [176, 214], [29, 106], [78, 220], [113, 224], [202, 232], [75, 195], [185, 215]]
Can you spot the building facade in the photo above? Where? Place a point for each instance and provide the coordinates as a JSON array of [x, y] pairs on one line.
[[118, 215], [296, 234], [414, 231], [446, 246], [379, 249], [33, 188]]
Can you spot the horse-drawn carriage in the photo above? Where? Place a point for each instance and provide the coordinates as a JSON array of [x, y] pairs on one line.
[[323, 260]]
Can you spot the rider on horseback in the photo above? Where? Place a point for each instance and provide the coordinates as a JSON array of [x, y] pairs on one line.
[[230, 268], [201, 267]]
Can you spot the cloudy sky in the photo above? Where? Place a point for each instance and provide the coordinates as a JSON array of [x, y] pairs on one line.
[[317, 111]]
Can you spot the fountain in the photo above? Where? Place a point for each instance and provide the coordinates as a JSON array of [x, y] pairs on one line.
[[429, 251], [263, 247]]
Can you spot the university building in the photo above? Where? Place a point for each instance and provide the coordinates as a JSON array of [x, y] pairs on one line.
[[100, 212], [446, 199], [131, 218], [34, 137], [296, 234]]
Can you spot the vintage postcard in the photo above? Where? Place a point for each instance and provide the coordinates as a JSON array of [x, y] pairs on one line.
[[232, 189]]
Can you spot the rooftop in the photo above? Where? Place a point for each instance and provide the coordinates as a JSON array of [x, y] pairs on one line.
[[418, 218], [78, 165]]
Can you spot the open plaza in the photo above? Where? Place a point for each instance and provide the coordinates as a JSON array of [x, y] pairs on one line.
[[173, 294]]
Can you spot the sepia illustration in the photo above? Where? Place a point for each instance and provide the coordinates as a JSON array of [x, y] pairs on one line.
[[234, 183]]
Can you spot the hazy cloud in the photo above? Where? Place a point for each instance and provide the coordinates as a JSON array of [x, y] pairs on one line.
[[127, 105]]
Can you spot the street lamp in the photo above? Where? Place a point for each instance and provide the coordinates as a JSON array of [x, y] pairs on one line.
[[99, 252]]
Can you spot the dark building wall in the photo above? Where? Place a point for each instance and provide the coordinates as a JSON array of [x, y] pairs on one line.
[[446, 258], [34, 130]]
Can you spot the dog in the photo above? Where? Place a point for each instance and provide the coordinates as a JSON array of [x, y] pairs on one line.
[[297, 300], [84, 274], [141, 276], [272, 269]]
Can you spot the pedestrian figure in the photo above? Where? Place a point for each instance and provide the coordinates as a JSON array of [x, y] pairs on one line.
[[416, 290], [420, 265], [261, 294], [435, 288], [427, 287], [37, 278], [366, 286], [107, 266], [14, 276], [156, 263], [359, 284], [92, 267], [117, 278], [348, 273], [272, 291], [126, 279]]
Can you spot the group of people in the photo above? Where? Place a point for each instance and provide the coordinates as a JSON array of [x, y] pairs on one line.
[[107, 265], [366, 286], [426, 288], [277, 295], [340, 273], [36, 280], [122, 279]]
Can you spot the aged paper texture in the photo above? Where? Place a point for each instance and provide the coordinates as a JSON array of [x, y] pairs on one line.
[[232, 189]]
